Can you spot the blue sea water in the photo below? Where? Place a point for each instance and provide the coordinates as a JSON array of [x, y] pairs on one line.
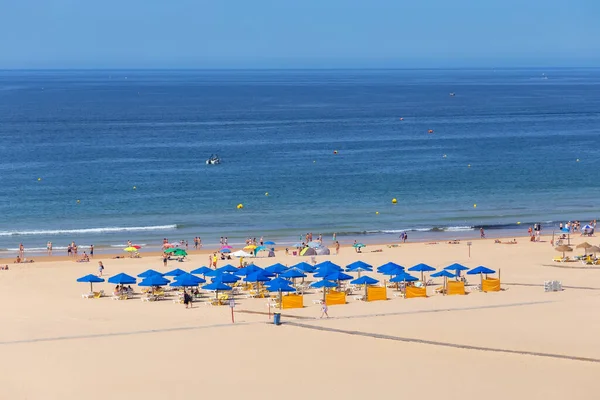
[[521, 145]]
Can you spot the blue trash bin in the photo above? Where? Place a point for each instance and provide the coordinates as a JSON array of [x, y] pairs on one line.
[[277, 318]]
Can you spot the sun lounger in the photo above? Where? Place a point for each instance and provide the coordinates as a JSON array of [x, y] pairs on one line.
[[87, 295]]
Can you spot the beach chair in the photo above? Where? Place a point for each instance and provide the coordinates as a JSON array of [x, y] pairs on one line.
[[439, 289]]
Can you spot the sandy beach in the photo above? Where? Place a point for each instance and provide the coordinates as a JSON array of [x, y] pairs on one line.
[[520, 342]]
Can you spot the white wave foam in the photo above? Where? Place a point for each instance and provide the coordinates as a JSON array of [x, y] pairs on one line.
[[459, 228], [90, 230]]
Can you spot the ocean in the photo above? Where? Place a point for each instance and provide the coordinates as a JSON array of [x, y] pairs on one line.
[[102, 157]]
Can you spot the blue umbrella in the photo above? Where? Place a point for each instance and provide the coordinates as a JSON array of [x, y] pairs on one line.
[[338, 276], [214, 272], [277, 281], [226, 278], [276, 268], [248, 270], [323, 284], [216, 286], [364, 280], [270, 243], [175, 272], [187, 280], [293, 273], [404, 277], [443, 273], [481, 270], [304, 266], [281, 285], [227, 268], [122, 279], [260, 248], [457, 268], [314, 245], [258, 276], [154, 280], [446, 274], [201, 271], [91, 279], [328, 264], [390, 267], [225, 250], [148, 273], [358, 266], [421, 268], [297, 245]]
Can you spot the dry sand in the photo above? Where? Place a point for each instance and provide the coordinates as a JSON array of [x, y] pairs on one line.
[[518, 343]]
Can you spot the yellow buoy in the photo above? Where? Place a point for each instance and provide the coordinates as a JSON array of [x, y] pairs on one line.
[[39, 179], [394, 201], [134, 188], [518, 222], [78, 201], [266, 194], [474, 205], [377, 212], [240, 206]]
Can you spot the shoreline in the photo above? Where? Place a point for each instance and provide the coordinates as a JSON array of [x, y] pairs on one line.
[[279, 250]]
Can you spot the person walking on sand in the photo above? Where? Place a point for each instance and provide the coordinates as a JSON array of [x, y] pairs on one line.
[[482, 233], [22, 250], [165, 259], [214, 260], [337, 248], [324, 309], [187, 299], [100, 268], [91, 250]]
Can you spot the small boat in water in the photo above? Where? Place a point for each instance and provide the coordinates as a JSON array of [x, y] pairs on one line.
[[213, 160]]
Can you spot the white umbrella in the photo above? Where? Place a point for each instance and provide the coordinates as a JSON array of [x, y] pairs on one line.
[[241, 253]]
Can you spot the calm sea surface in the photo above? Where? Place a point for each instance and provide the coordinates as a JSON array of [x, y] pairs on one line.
[[521, 145]]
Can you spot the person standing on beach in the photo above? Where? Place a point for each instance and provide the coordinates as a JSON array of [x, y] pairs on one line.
[[482, 233], [334, 237], [165, 259], [100, 268], [199, 242], [186, 244], [226, 240], [49, 248], [214, 260], [92, 250], [22, 250], [324, 309], [337, 248]]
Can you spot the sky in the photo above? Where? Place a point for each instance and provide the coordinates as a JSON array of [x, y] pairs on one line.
[[298, 33]]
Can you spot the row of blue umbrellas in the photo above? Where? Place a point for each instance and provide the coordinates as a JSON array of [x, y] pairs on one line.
[[327, 270]]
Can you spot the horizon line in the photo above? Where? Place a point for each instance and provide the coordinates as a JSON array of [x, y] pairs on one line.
[[473, 68]]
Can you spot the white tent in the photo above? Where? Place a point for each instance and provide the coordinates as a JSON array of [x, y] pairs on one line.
[[241, 253]]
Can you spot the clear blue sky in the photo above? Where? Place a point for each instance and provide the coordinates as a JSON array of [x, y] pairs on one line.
[[298, 33]]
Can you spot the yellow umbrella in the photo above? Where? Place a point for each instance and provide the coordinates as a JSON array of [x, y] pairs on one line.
[[250, 247], [130, 249]]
